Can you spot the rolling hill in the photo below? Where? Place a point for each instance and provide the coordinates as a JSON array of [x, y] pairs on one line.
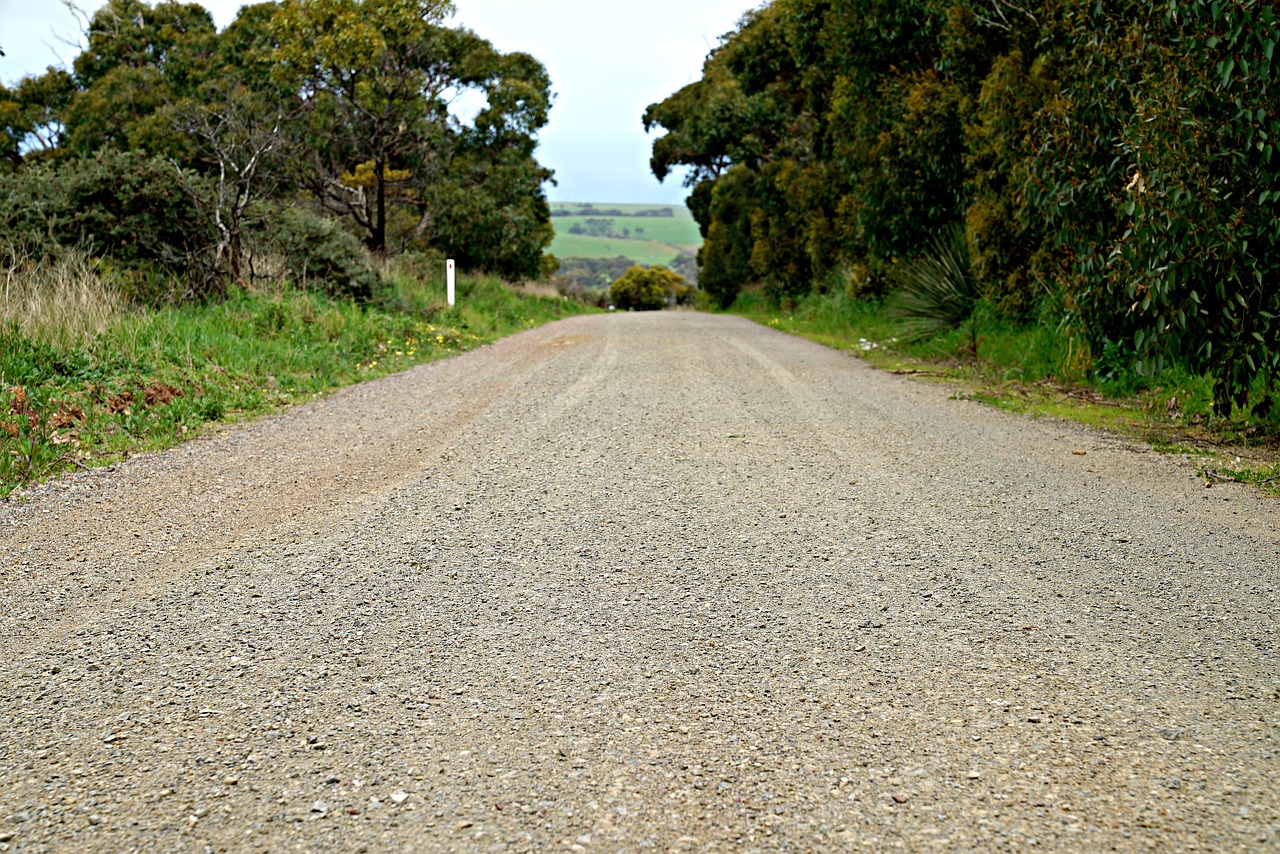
[[596, 242]]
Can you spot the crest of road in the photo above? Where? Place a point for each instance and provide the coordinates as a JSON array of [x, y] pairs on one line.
[[652, 581]]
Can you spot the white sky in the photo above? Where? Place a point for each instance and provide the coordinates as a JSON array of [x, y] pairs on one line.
[[608, 60]]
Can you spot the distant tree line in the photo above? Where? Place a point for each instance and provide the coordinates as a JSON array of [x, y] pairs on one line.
[[313, 134], [591, 211], [603, 227], [1110, 166], [593, 272]]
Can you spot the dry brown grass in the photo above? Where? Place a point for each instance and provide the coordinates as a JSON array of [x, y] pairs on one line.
[[58, 301], [537, 289]]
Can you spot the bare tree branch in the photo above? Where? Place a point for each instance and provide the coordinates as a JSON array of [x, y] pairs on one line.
[[1000, 13], [238, 137]]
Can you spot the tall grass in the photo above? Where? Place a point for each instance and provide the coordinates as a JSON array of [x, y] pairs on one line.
[[58, 301]]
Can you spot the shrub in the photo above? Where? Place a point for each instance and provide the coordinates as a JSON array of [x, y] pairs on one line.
[[321, 255], [122, 206], [649, 289], [1198, 265], [936, 291]]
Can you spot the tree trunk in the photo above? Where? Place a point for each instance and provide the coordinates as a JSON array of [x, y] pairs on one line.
[[378, 237], [233, 260]]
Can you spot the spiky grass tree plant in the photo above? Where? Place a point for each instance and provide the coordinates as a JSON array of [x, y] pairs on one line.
[[936, 291]]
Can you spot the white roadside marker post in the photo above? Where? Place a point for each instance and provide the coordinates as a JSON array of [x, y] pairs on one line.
[[449, 280]]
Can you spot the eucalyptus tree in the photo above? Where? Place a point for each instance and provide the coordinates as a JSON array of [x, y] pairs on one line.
[[31, 116], [489, 209], [138, 58], [377, 79]]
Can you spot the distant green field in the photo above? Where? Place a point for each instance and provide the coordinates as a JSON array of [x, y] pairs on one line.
[[651, 240], [682, 232], [640, 251]]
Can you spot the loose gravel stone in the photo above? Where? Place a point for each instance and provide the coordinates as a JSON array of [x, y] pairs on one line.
[[668, 581]]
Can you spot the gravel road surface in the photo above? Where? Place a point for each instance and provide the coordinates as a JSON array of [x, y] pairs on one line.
[[666, 581]]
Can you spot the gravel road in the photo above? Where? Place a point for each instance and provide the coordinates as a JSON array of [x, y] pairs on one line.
[[661, 581]]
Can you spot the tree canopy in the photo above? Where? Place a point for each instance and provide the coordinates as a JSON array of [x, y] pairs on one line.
[[338, 107], [1111, 165]]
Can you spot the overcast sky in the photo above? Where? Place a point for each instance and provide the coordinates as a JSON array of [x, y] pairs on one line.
[[608, 60]]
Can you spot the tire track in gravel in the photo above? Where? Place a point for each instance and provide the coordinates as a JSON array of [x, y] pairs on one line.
[[631, 581], [266, 480]]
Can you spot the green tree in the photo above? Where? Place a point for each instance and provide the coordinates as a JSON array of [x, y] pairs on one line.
[[246, 51], [479, 197], [138, 59], [492, 215], [647, 289], [724, 261], [851, 135], [337, 105], [1198, 261], [30, 116], [704, 121], [1007, 243], [374, 75]]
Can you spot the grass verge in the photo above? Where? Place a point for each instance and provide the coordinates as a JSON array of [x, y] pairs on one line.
[[132, 381], [1042, 372]]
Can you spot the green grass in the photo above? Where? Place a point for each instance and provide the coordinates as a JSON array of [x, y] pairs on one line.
[[1041, 371], [681, 233], [646, 252], [153, 378], [662, 240]]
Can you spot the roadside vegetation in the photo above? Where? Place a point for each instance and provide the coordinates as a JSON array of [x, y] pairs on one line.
[[87, 379], [1067, 204], [1110, 170], [310, 131], [198, 226], [1035, 371]]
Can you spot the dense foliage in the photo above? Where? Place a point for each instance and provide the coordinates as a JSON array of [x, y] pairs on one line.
[[1111, 166], [649, 289], [310, 136]]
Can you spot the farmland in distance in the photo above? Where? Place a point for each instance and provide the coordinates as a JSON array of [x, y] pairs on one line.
[[597, 242]]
